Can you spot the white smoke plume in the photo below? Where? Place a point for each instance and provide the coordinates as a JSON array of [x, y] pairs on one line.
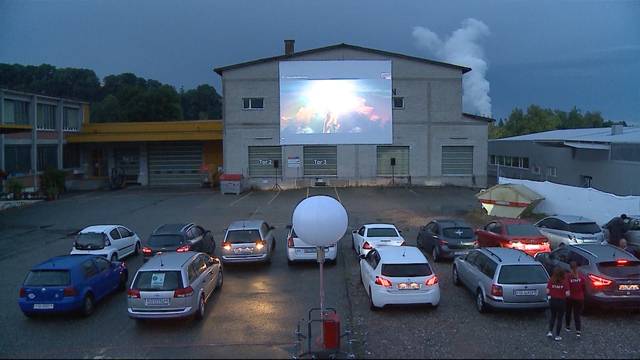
[[463, 48]]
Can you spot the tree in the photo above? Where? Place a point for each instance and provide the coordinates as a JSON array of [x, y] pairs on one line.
[[201, 103]]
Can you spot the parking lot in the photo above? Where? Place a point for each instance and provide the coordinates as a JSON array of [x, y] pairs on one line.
[[256, 312]]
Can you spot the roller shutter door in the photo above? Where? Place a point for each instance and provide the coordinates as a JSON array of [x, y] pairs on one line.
[[457, 160], [262, 160], [175, 164], [386, 153], [320, 160]]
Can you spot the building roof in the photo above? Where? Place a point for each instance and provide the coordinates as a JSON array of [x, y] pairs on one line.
[[590, 135], [478, 117], [245, 224], [188, 130], [401, 254], [222, 69]]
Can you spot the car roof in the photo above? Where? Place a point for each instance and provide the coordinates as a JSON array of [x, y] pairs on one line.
[[167, 229], [571, 219], [379, 226], [245, 224], [506, 256], [168, 261], [449, 222], [98, 229], [64, 262], [401, 254], [604, 252]]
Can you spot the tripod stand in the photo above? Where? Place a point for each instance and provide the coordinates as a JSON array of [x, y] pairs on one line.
[[276, 165]]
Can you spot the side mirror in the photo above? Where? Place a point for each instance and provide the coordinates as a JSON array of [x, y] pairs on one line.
[[400, 231], [361, 256]]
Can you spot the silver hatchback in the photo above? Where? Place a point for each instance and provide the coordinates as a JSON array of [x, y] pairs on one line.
[[502, 278], [570, 230], [174, 285], [248, 241]]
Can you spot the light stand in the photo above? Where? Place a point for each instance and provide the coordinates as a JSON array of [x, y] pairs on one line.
[[276, 165], [393, 171]]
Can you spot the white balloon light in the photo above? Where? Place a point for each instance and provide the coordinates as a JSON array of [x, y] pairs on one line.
[[320, 220]]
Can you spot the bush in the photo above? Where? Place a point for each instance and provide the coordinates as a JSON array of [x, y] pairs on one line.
[[52, 182], [14, 187]]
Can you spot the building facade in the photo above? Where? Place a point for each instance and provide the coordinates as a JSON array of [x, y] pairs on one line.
[[607, 159], [434, 143]]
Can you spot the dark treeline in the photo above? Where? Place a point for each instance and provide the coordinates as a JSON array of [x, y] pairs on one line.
[[123, 97]]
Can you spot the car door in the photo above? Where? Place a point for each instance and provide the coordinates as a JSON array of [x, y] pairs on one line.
[[194, 235], [92, 278], [557, 258], [210, 245], [108, 280], [476, 275], [483, 234], [358, 237], [464, 266], [128, 240], [117, 242], [198, 276], [205, 267], [434, 235], [368, 266], [213, 264], [552, 229]]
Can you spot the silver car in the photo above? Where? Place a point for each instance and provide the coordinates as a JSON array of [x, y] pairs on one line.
[[248, 241], [502, 278], [570, 230], [174, 284]]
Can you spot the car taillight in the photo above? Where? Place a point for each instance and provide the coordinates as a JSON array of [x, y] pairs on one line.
[[496, 290], [183, 248], [290, 242], [226, 245], [133, 293], [443, 242], [69, 291], [515, 245], [621, 262], [146, 251], [383, 282], [22, 292], [184, 292], [598, 281], [367, 246], [431, 281]]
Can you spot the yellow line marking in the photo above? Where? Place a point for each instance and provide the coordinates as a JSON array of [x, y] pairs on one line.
[[338, 195], [274, 197], [245, 196]]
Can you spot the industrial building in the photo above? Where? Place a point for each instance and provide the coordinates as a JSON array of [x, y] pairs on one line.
[[434, 142], [607, 159]]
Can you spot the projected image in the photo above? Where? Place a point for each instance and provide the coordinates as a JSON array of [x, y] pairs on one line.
[[335, 102]]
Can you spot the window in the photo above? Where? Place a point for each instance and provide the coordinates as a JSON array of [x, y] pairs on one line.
[[124, 232], [406, 270], [522, 230], [625, 152], [494, 227], [158, 280], [552, 171], [264, 228], [536, 169], [457, 160], [114, 234], [71, 119], [579, 259], [262, 161], [16, 112], [47, 278], [472, 257], [561, 255], [361, 231], [252, 103], [492, 159], [458, 233], [373, 258], [89, 269], [47, 157], [382, 232], [70, 156], [192, 272], [165, 240], [509, 161], [243, 236], [103, 264], [586, 180], [488, 267], [398, 102], [17, 159], [522, 274], [393, 160], [46, 117], [197, 231]]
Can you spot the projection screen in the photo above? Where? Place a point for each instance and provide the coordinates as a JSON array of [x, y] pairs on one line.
[[335, 102]]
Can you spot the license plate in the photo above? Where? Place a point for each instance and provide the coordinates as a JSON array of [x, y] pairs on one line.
[[459, 253], [526, 292], [625, 287], [156, 302], [243, 251], [42, 306], [309, 251], [408, 286]]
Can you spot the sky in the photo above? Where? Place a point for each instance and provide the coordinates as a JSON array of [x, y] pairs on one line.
[[554, 53]]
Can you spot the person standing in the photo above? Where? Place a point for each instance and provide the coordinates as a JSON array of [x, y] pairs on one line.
[[557, 290], [624, 246], [617, 228], [575, 302]]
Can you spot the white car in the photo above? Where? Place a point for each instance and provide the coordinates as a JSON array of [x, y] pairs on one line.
[[398, 275], [298, 250], [371, 236], [111, 241]]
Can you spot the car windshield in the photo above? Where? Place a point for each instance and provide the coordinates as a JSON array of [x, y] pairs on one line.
[[47, 278], [158, 280], [522, 274], [243, 236], [522, 230], [89, 241], [584, 228], [406, 270], [458, 233], [382, 232], [165, 240], [634, 225], [618, 270]]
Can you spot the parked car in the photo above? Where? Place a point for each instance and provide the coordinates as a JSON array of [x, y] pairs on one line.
[[111, 241], [570, 230], [71, 283], [612, 275], [398, 275], [632, 235], [248, 241], [513, 234], [298, 250], [173, 285], [502, 278], [446, 238], [180, 238], [370, 236]]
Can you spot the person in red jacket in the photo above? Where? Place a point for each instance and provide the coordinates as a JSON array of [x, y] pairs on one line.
[[558, 291], [575, 302]]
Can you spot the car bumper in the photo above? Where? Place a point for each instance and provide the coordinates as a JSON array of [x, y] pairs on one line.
[[615, 300], [104, 253], [244, 258], [138, 314], [65, 305], [447, 253], [298, 254], [382, 297], [499, 304]]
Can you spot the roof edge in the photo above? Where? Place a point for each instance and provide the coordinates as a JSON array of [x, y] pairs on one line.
[[478, 117]]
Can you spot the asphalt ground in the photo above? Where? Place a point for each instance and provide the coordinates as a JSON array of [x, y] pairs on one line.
[[256, 313]]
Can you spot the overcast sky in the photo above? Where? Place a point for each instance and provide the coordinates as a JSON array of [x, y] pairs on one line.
[[554, 53]]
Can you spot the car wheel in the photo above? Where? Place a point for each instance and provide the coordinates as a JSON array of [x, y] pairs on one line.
[[114, 257], [480, 304], [220, 280], [201, 308], [87, 305], [371, 305], [456, 279], [122, 285], [435, 254], [289, 262], [137, 251]]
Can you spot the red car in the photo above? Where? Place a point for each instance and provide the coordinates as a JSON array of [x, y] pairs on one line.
[[514, 234]]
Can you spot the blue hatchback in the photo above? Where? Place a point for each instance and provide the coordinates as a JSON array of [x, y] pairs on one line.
[[69, 283]]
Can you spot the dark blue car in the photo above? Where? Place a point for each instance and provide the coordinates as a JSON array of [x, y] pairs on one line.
[[71, 283]]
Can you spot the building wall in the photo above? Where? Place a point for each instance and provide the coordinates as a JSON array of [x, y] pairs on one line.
[[616, 177], [432, 117]]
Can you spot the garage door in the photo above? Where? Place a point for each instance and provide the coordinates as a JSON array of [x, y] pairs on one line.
[[175, 164], [262, 161], [401, 156], [320, 161], [457, 160]]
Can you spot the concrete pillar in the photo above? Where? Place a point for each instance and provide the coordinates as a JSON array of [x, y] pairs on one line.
[[33, 118], [143, 175], [2, 163], [60, 130]]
